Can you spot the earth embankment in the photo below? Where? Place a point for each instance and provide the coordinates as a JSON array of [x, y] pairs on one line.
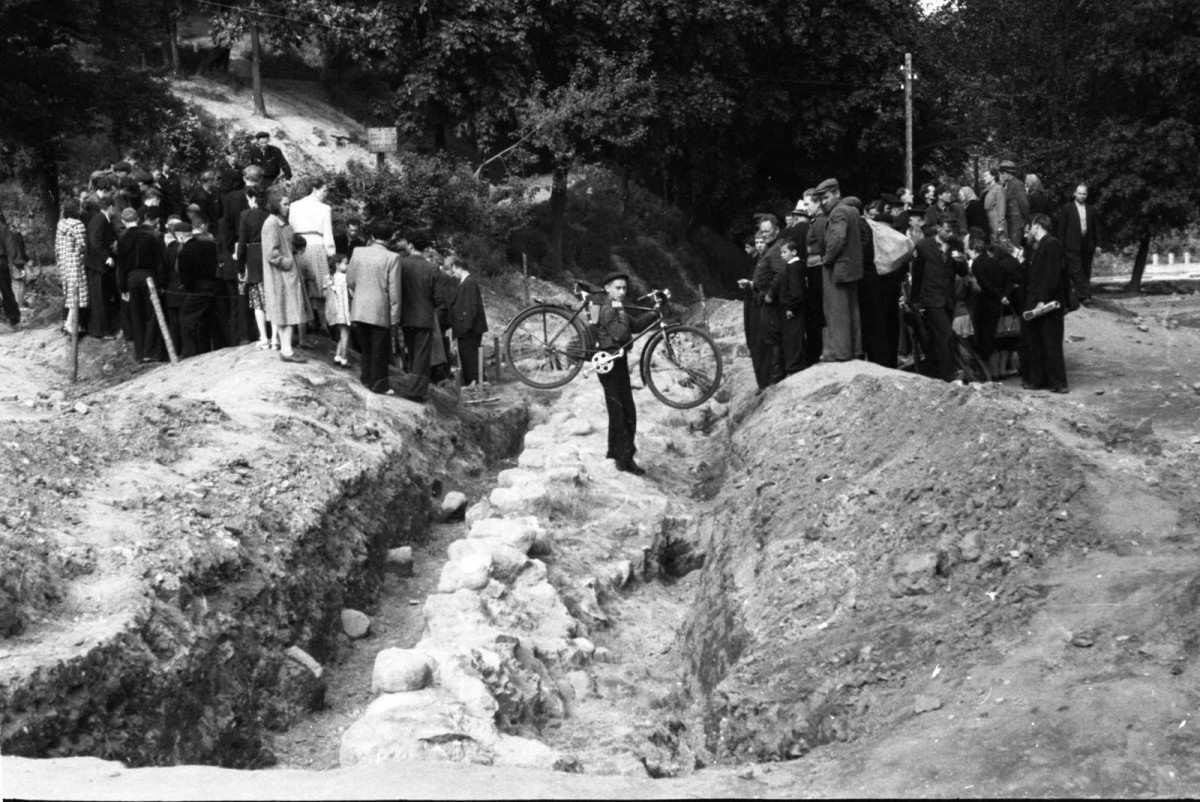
[[205, 520]]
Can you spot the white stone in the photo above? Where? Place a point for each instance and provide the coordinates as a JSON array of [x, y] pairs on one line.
[[356, 623], [520, 499], [298, 655], [505, 561], [412, 726], [512, 750], [400, 671], [400, 560], [471, 572], [465, 686], [479, 510], [457, 621], [520, 533], [581, 682], [579, 427], [453, 504]]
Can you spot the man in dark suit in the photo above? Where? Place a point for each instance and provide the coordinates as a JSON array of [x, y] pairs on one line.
[[420, 294], [141, 255], [468, 320], [1046, 282], [768, 296], [269, 159], [233, 309], [205, 196], [102, 279], [937, 260], [373, 279], [1079, 234]]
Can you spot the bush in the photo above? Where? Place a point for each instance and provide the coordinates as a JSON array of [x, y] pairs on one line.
[[431, 194]]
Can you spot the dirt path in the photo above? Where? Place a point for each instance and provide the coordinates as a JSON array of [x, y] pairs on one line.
[[1094, 696]]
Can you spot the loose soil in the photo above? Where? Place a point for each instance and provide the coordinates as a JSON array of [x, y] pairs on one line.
[[1066, 667]]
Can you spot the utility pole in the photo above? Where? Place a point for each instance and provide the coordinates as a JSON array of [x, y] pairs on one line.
[[908, 123]]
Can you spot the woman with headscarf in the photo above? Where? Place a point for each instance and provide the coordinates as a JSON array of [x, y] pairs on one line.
[[973, 208], [1038, 202], [70, 250], [283, 286]]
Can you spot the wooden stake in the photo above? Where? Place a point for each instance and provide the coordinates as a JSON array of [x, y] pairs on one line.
[[162, 320]]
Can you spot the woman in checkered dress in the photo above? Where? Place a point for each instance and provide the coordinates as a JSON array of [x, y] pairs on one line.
[[70, 246]]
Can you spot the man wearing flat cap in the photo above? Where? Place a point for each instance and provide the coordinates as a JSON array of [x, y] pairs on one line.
[[614, 330], [843, 269], [1016, 202], [270, 159]]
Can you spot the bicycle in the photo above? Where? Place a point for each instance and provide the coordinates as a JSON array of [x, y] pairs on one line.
[[548, 344], [969, 366]]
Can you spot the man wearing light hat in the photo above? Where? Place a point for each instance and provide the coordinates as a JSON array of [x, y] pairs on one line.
[[1016, 202], [615, 329], [269, 159], [843, 269]]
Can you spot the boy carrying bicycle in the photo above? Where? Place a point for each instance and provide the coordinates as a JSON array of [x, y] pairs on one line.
[[614, 331]]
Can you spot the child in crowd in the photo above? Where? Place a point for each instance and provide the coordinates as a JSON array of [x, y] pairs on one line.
[[337, 306]]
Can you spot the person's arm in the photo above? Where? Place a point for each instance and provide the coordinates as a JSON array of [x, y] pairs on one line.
[[794, 288], [393, 288], [272, 243], [613, 326], [918, 274], [284, 167], [327, 231], [835, 237]]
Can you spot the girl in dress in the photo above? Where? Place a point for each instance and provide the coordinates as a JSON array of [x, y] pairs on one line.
[[337, 306]]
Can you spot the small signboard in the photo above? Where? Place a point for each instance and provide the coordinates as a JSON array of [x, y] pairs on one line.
[[381, 140]]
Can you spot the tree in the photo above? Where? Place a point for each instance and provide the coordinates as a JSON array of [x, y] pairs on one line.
[[282, 23], [1103, 94]]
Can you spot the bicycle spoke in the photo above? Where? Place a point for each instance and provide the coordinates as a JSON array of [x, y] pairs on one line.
[[545, 347], [682, 368]]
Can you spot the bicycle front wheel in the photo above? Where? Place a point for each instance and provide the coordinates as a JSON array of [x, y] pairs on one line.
[[966, 360], [682, 366], [546, 346]]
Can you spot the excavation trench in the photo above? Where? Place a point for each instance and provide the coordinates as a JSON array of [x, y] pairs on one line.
[[272, 519]]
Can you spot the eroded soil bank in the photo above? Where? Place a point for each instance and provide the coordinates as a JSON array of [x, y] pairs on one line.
[[198, 525]]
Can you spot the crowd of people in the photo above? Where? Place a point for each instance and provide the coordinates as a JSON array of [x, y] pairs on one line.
[[1002, 267], [235, 260]]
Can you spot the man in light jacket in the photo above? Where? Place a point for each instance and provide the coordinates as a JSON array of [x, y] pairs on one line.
[[373, 279]]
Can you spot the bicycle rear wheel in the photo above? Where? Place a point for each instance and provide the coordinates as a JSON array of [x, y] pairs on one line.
[[968, 362], [682, 366], [546, 346]]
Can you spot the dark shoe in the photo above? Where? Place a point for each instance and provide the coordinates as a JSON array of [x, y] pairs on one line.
[[630, 466], [1059, 390], [292, 358], [1028, 386]]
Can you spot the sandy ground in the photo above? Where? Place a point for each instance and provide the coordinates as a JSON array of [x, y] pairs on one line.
[[1094, 696]]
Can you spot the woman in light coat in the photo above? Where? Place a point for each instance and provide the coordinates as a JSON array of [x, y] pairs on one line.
[[283, 286]]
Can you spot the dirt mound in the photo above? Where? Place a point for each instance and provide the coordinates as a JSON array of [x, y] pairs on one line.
[[884, 528]]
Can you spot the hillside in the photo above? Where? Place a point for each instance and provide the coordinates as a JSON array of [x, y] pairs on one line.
[[858, 583]]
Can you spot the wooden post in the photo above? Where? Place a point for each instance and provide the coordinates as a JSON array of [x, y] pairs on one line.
[[75, 333], [908, 123], [525, 272], [162, 320], [496, 356], [704, 307]]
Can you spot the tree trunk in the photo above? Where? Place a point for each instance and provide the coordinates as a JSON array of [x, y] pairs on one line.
[[260, 106], [211, 58], [558, 214], [1139, 264], [47, 180], [173, 44]]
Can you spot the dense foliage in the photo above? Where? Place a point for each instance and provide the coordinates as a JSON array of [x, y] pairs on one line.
[[1098, 91]]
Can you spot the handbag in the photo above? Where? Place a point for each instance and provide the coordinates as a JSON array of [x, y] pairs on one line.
[[1008, 326]]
